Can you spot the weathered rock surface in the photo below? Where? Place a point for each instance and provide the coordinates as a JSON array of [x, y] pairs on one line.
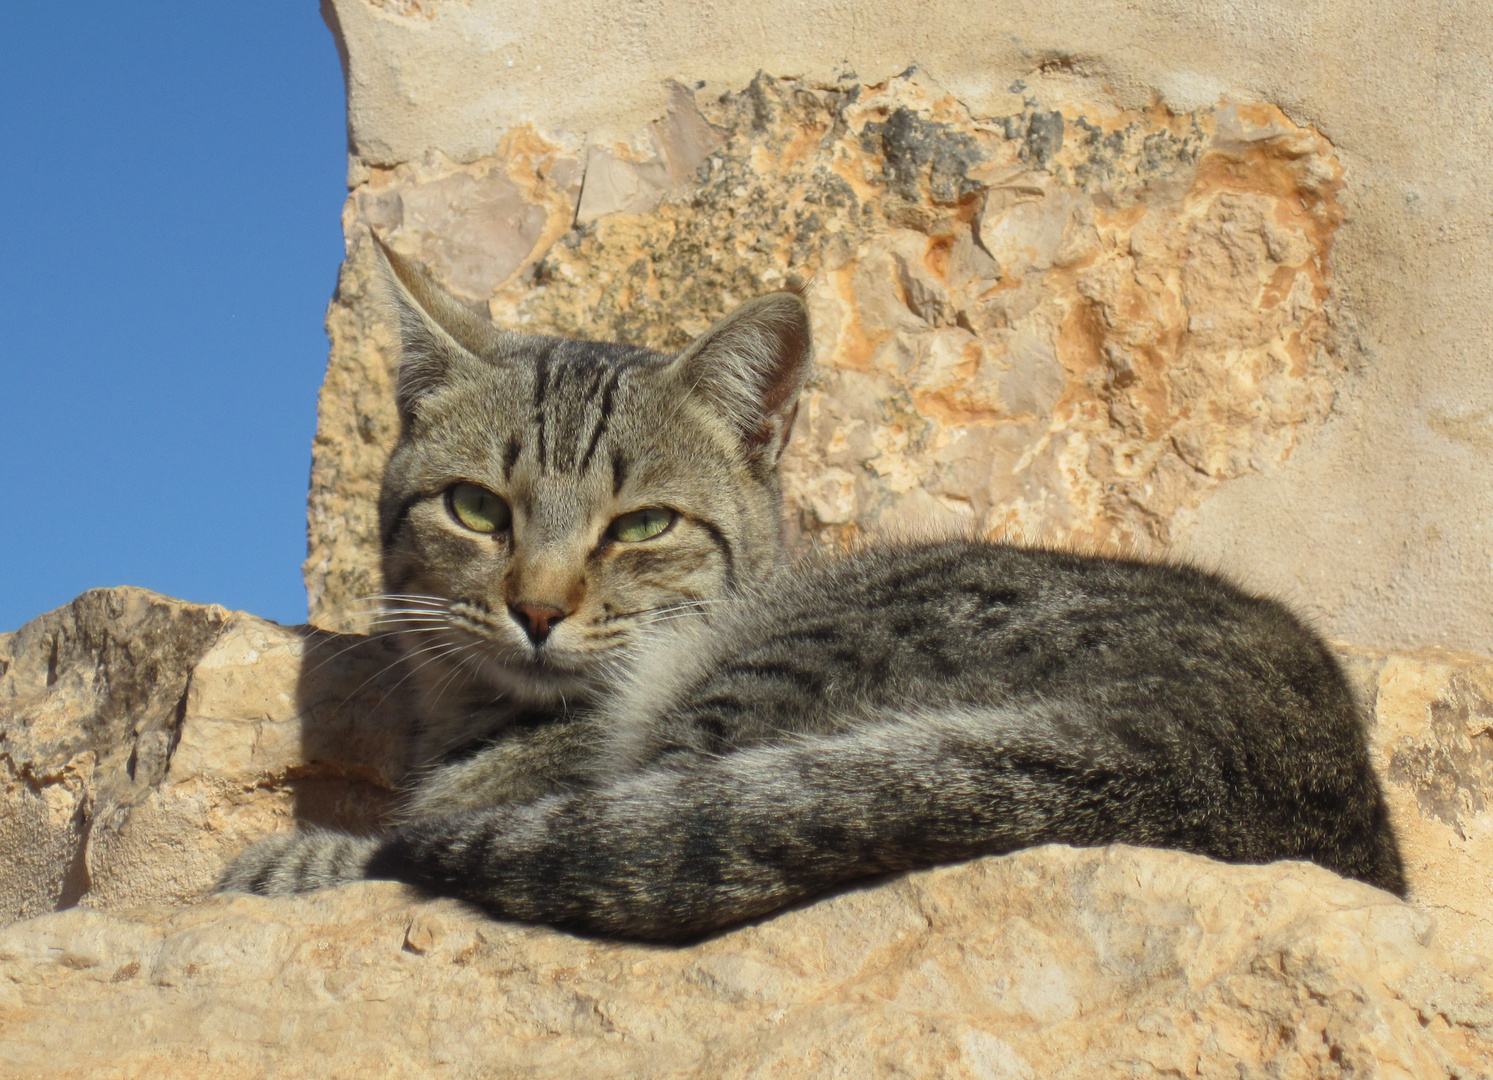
[[146, 740], [1070, 322], [1052, 962], [143, 741]]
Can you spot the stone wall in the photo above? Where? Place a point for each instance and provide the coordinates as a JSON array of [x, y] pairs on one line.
[[1218, 294], [144, 741], [1106, 962]]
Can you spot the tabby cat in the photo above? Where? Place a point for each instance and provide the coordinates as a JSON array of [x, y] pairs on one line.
[[636, 720]]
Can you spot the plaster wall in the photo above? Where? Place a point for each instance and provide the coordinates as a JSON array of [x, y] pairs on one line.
[[1380, 521]]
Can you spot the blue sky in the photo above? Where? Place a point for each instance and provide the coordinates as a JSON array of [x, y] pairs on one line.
[[172, 175]]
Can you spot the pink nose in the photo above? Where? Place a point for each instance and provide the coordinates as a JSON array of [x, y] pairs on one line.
[[536, 619]]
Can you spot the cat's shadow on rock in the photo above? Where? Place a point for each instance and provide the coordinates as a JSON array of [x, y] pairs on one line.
[[354, 725]]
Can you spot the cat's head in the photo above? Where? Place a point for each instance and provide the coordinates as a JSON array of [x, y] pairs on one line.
[[551, 500]]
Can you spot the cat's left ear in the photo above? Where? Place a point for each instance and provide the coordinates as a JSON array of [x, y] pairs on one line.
[[438, 337], [750, 368]]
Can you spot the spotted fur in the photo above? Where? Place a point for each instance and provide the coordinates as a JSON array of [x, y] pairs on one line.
[[705, 735]]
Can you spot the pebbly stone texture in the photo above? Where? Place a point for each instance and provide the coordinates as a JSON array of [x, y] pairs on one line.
[[1052, 962], [90, 697], [1069, 323]]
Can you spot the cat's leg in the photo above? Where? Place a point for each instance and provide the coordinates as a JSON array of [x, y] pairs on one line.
[[688, 846], [299, 862], [692, 845], [677, 851], [519, 767]]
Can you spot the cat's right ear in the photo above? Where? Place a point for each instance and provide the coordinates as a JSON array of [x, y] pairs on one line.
[[437, 334]]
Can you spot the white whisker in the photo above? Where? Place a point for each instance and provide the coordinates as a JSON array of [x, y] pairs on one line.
[[358, 640], [364, 607], [393, 664], [460, 668], [446, 646]]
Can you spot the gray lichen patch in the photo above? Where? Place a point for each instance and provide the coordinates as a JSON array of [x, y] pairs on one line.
[[1450, 764], [923, 155]]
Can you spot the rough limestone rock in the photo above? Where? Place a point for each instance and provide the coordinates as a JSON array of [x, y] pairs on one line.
[[1071, 322], [1052, 962], [145, 741]]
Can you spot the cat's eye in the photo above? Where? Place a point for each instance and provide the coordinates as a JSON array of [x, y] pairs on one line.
[[641, 524], [478, 509]]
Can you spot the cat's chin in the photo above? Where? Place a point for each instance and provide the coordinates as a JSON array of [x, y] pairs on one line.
[[534, 682]]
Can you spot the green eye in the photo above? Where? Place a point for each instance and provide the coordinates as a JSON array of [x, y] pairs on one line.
[[478, 509], [641, 524]]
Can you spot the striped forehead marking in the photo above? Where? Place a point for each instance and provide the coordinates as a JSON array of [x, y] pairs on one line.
[[577, 382]]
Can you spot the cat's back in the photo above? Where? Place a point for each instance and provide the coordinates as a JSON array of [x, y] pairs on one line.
[[976, 621], [1226, 718]]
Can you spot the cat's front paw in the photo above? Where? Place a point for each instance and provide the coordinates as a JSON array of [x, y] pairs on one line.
[[299, 862]]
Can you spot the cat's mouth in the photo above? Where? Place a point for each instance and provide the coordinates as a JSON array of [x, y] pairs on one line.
[[483, 648], [501, 655], [546, 661]]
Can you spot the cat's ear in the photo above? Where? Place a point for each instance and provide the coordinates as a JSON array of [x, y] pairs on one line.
[[437, 334], [750, 367]]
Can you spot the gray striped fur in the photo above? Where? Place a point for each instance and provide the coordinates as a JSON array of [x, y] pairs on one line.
[[707, 735]]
